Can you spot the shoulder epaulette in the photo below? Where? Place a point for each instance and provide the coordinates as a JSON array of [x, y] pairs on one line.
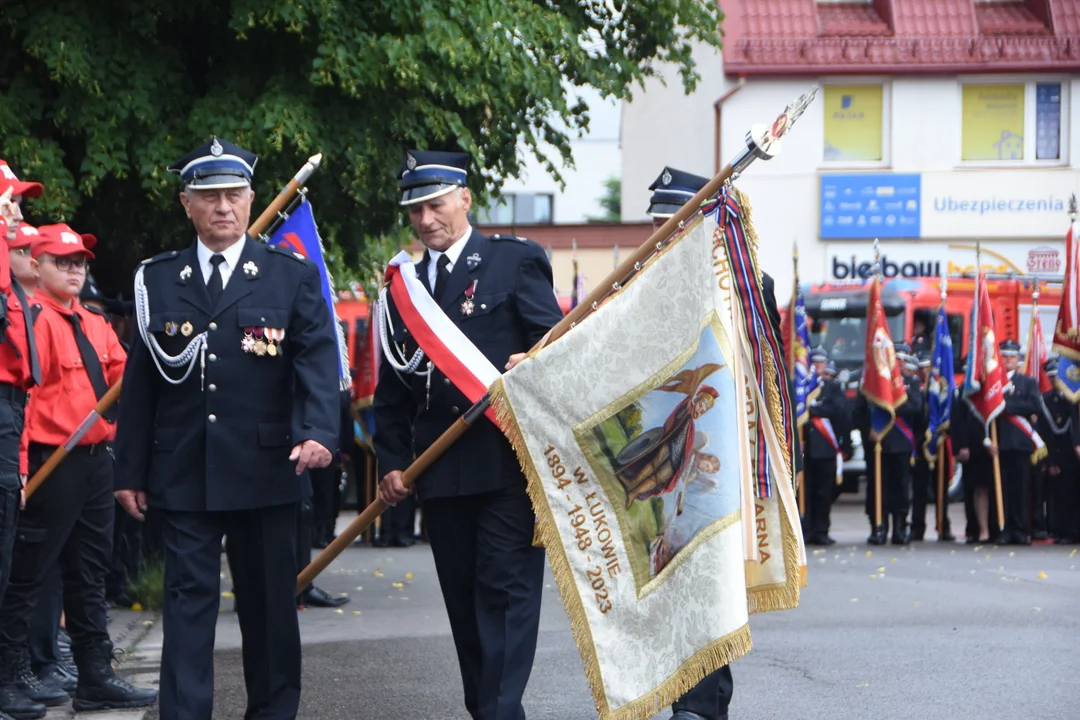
[[281, 250], [509, 237], [168, 255]]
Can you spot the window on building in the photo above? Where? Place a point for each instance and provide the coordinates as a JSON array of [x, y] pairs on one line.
[[855, 124], [518, 209], [1012, 122]]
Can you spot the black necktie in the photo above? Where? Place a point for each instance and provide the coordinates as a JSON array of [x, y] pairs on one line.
[[215, 285], [92, 364], [442, 274], [31, 343]]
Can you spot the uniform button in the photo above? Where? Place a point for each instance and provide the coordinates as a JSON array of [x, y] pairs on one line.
[[213, 326], [454, 410], [213, 357], [213, 387], [262, 319], [212, 418], [483, 306], [446, 381]]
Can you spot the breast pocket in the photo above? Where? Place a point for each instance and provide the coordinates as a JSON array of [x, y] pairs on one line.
[[174, 329], [73, 374], [263, 330], [483, 305]]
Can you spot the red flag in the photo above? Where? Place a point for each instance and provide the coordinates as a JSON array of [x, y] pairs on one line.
[[984, 385], [367, 361], [882, 382], [1067, 330], [1036, 352]]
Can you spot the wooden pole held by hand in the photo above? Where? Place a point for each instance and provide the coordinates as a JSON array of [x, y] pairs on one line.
[[941, 500], [997, 478], [877, 484]]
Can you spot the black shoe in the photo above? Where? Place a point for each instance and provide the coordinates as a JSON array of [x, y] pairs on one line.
[[16, 705], [68, 669], [57, 678], [402, 542], [1040, 535], [878, 535], [900, 534], [1064, 540], [686, 715], [317, 597], [918, 533], [32, 687], [1018, 538], [826, 540], [946, 537], [100, 689]]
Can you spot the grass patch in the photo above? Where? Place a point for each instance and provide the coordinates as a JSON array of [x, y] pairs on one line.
[[149, 588]]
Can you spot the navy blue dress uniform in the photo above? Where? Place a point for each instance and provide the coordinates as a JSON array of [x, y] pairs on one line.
[[921, 477], [1016, 448], [478, 516], [206, 426], [821, 459], [1058, 429], [896, 460]]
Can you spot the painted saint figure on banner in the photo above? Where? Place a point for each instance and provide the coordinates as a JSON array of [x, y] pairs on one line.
[[659, 459]]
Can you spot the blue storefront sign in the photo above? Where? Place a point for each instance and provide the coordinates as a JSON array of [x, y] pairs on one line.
[[856, 206]]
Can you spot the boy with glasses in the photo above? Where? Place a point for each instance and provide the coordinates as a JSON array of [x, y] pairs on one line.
[[70, 519]]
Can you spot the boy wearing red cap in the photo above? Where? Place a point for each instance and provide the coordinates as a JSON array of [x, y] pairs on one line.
[[18, 373], [70, 518]]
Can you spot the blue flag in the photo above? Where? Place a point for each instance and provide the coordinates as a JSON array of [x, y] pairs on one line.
[[300, 234], [942, 386], [805, 380]]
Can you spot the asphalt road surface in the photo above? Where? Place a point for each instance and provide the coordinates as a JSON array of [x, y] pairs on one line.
[[931, 631]]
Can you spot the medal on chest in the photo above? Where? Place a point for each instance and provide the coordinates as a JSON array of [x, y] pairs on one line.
[[467, 305]]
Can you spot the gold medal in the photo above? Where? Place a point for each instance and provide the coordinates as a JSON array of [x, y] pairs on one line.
[[170, 329], [260, 347], [271, 349], [186, 329]]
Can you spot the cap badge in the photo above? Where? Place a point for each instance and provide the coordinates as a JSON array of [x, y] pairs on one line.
[[666, 177], [185, 273], [251, 269], [410, 162], [216, 149]]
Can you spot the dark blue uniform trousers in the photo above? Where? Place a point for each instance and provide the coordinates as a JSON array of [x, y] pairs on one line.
[[710, 697], [261, 551], [11, 424], [491, 578]]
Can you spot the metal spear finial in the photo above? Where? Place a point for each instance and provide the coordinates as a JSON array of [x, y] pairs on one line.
[[1072, 207], [877, 258], [763, 142], [1035, 291], [944, 287]]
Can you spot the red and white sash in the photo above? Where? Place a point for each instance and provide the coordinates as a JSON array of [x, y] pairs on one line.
[[1025, 427], [441, 340], [824, 426]]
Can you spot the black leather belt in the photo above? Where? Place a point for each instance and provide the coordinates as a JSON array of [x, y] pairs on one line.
[[12, 393]]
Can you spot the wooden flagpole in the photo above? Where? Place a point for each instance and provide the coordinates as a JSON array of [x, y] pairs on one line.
[[877, 485], [261, 223], [941, 490], [761, 143], [997, 477]]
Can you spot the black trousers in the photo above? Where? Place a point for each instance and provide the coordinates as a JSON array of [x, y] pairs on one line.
[[398, 523], [68, 520], [325, 484], [1064, 501], [127, 554], [1040, 496], [895, 485], [304, 536], [11, 426], [492, 579], [710, 697], [261, 551], [920, 491], [45, 623], [820, 482], [1015, 473]]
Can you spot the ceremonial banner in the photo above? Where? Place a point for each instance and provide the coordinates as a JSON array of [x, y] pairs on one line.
[[367, 360], [300, 234], [804, 380], [634, 430], [1067, 330], [942, 387], [985, 379], [882, 382], [1036, 351]]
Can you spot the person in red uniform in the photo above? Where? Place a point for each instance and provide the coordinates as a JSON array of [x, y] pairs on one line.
[[18, 370], [70, 518]]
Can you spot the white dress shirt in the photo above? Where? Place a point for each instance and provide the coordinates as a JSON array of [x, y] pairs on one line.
[[453, 253], [232, 259]]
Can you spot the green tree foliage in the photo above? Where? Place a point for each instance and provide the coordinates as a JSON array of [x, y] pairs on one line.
[[99, 97], [610, 201]]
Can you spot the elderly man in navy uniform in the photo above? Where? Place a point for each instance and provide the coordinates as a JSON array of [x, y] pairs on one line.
[[1015, 445], [498, 291], [823, 444], [709, 699], [1058, 428], [230, 394]]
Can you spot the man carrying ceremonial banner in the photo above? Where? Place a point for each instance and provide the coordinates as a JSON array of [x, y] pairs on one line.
[[640, 433], [939, 399], [1067, 329]]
